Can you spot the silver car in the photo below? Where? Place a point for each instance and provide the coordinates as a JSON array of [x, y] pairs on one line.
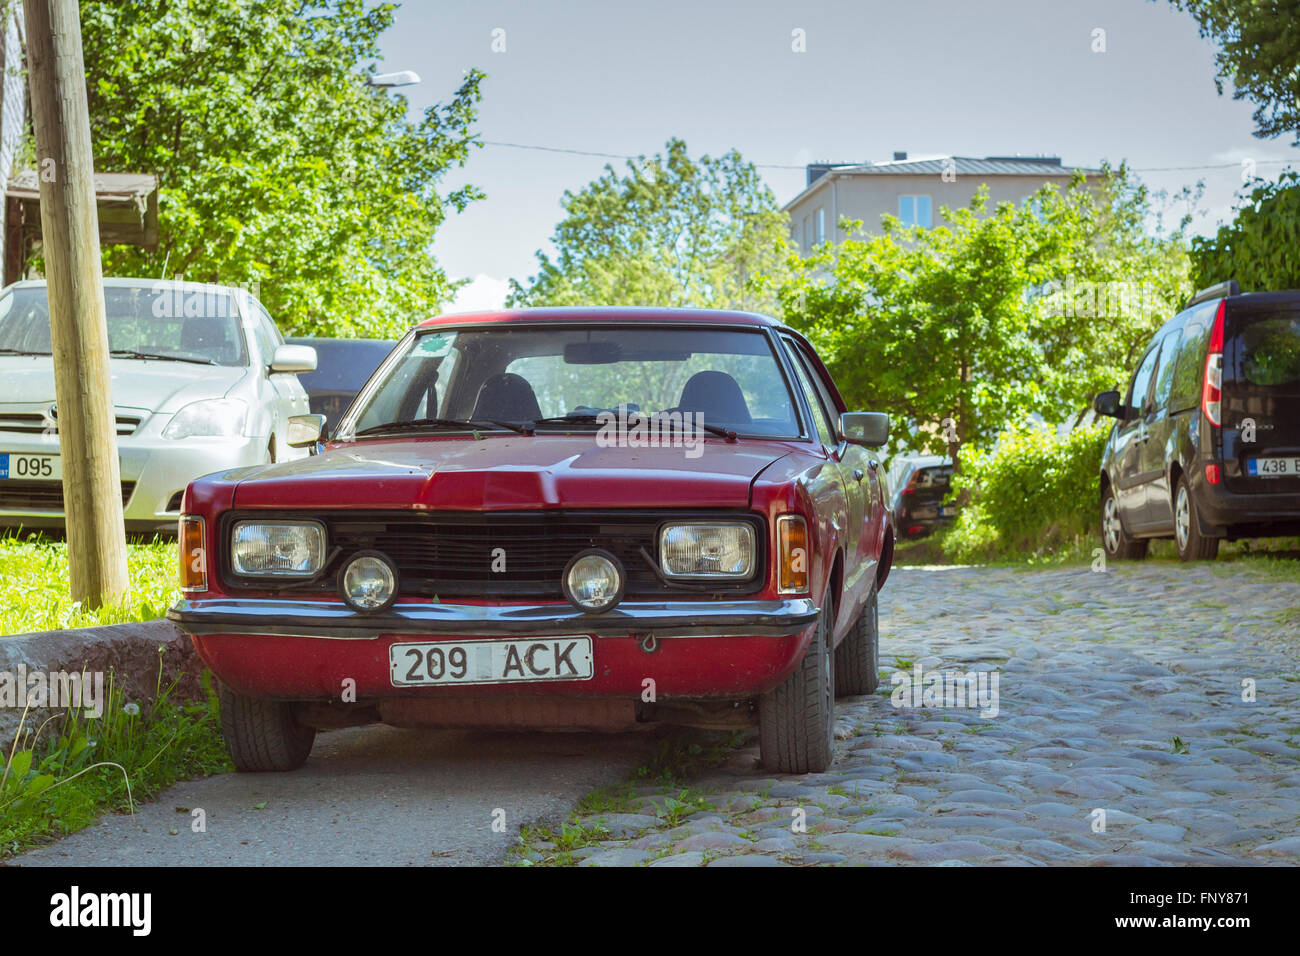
[[202, 381]]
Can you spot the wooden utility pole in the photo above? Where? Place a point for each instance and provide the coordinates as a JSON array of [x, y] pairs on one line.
[[92, 491]]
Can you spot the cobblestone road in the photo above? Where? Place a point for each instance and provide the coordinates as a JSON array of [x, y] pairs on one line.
[[1147, 715]]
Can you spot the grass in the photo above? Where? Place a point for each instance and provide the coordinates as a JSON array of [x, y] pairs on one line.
[[34, 582], [72, 769]]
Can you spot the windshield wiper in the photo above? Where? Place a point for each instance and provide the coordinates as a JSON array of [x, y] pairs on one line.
[[423, 424], [9, 351], [586, 419], [132, 353]]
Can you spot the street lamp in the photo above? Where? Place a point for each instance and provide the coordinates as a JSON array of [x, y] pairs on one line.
[[401, 78]]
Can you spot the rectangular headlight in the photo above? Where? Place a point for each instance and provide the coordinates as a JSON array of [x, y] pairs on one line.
[[714, 550], [281, 549]]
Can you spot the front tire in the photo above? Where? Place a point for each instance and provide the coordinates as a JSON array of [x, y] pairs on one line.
[[857, 659], [262, 735], [1191, 544], [796, 721], [1114, 539]]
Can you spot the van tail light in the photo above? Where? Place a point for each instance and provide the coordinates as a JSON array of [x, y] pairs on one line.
[[1212, 384], [792, 552], [1212, 474], [193, 554], [911, 484]]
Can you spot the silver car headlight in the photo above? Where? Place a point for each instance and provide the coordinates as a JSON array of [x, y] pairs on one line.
[[277, 549], [213, 418], [713, 550]]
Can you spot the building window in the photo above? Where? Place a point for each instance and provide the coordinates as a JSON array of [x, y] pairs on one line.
[[807, 234], [915, 211], [821, 224]]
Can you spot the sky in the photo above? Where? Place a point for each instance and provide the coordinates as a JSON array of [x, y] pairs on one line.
[[929, 77]]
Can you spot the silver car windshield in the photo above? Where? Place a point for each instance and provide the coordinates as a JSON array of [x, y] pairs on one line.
[[567, 376], [162, 323]]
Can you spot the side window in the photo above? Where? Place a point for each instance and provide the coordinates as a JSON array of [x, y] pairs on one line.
[[1141, 385], [265, 331], [1165, 371], [820, 420], [1190, 364]]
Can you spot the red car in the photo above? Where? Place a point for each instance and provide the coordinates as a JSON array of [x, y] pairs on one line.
[[553, 518]]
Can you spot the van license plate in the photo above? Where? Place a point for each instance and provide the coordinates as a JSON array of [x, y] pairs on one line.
[[1272, 467]]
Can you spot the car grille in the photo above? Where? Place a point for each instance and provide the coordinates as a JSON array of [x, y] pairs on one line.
[[452, 555], [36, 423], [42, 495]]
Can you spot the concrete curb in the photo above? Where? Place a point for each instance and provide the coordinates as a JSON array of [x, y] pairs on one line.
[[132, 652]]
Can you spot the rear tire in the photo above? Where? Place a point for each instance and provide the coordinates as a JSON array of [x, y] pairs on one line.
[[262, 735], [1191, 544], [1114, 539], [857, 659], [796, 721]]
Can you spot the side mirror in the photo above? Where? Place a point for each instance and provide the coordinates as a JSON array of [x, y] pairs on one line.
[[304, 430], [1107, 403], [865, 428], [294, 358]]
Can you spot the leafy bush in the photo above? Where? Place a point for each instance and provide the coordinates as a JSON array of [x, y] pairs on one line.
[[1034, 491]]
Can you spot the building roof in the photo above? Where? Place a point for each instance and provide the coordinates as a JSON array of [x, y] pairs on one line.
[[1047, 167]]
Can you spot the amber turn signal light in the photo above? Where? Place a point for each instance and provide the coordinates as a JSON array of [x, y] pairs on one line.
[[792, 553], [193, 554]]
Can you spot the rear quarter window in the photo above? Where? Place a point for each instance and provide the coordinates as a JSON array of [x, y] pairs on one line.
[[1185, 391]]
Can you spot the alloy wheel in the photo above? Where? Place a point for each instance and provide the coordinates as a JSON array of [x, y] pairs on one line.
[[1182, 517], [1110, 525]]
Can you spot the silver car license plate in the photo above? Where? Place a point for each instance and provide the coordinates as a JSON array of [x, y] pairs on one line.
[[17, 466], [490, 661]]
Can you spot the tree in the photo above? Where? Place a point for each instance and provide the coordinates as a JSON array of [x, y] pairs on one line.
[[1259, 44], [279, 167], [1258, 247], [670, 231], [995, 315]]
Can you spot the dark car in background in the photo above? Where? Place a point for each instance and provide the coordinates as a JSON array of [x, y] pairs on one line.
[[1206, 446], [923, 484], [342, 367]]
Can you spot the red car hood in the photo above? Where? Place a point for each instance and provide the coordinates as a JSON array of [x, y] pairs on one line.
[[510, 473]]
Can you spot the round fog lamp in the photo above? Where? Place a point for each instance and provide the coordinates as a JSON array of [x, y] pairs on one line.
[[593, 581], [368, 581]]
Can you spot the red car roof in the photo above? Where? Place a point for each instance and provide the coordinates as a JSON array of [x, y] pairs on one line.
[[621, 313]]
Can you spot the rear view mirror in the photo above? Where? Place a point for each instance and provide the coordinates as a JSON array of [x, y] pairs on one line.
[[294, 358], [304, 430], [865, 428], [1107, 403]]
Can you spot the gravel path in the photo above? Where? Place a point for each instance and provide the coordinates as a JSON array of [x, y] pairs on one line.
[[1124, 734]]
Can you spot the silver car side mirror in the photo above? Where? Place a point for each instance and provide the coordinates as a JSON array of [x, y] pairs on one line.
[[294, 358], [865, 428], [304, 430]]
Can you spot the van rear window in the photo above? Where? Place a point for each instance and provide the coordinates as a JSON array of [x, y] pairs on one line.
[[1268, 350]]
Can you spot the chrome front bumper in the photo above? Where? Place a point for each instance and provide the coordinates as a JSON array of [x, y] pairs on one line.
[[323, 619]]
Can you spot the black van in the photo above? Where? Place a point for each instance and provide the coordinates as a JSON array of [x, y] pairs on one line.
[[918, 503], [1207, 442]]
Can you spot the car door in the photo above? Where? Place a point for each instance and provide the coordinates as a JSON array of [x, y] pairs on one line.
[[1130, 433], [284, 392], [1154, 453], [851, 465]]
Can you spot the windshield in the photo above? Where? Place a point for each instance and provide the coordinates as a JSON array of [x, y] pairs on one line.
[[726, 378], [162, 321]]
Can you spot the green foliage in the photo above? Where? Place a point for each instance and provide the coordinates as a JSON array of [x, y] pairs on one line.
[[1259, 48], [671, 231], [1258, 247], [993, 315], [279, 168], [1035, 491], [34, 580], [73, 769]]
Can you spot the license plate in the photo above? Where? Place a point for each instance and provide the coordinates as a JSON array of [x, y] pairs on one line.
[[490, 661], [947, 511], [17, 466], [1272, 467]]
